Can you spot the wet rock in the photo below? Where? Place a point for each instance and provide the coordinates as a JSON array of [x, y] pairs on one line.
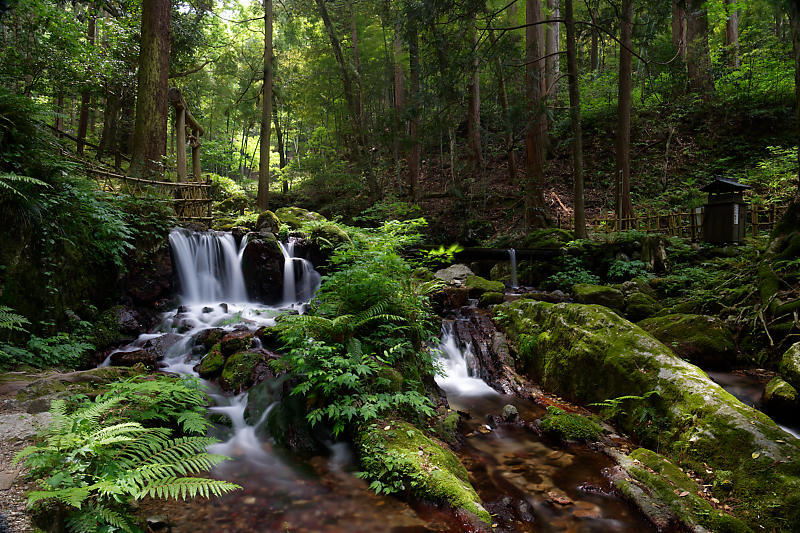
[[211, 365], [209, 337], [790, 365], [268, 221], [610, 297], [478, 285], [639, 306], [242, 370], [449, 298], [454, 273], [236, 341], [780, 398], [262, 267], [704, 340], [159, 346], [488, 299], [133, 358], [510, 413], [553, 297], [268, 335], [208, 309]]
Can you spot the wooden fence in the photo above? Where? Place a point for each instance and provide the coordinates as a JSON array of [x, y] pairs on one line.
[[687, 224]]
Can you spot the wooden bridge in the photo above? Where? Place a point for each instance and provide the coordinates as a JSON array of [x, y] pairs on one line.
[[189, 196]]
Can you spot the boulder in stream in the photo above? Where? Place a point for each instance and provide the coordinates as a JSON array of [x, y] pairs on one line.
[[790, 365], [262, 267], [242, 370], [780, 398], [610, 297], [701, 339], [588, 353], [454, 273], [478, 285], [133, 358]]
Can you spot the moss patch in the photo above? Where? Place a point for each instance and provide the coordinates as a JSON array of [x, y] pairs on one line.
[[294, 217], [639, 306], [790, 365], [610, 297], [212, 363], [490, 298], [702, 339], [548, 238], [397, 457], [478, 285], [569, 426], [238, 372]]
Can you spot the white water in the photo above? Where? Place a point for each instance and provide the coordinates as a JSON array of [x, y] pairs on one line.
[[459, 365], [297, 287], [512, 258], [209, 266]]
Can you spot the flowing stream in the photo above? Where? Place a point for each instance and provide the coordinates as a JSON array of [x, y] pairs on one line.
[[517, 474]]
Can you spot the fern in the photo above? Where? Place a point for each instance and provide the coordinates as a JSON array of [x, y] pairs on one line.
[[10, 321], [94, 464], [10, 183]]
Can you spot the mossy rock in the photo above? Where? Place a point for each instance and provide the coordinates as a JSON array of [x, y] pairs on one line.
[[211, 365], [639, 306], [704, 340], [768, 283], [294, 217], [478, 285], [239, 370], [548, 238], [500, 272], [491, 298], [236, 341], [389, 379], [235, 203], [674, 491], [569, 426], [267, 220], [587, 353], [399, 456], [329, 236], [790, 365], [447, 427], [780, 398], [604, 295]]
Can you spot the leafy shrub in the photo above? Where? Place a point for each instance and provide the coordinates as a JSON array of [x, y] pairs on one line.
[[620, 270], [572, 272], [92, 469]]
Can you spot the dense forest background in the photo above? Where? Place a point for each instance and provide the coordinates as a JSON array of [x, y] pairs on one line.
[[456, 110]]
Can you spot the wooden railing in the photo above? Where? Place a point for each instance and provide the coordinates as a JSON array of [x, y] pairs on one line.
[[677, 223]]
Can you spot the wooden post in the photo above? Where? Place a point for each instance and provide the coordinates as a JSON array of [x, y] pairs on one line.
[[693, 225], [195, 144], [180, 130]]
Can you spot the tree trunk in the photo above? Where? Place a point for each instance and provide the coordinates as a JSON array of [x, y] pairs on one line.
[[594, 53], [794, 25], [575, 120], [358, 96], [474, 109], [83, 120], [414, 149], [698, 57], [732, 32], [509, 132], [623, 178], [262, 201], [180, 144], [535, 137], [552, 39], [679, 27], [110, 112], [279, 135], [150, 129], [59, 122], [399, 96]]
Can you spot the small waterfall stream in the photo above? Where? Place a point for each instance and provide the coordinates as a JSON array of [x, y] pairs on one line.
[[512, 259], [300, 280], [459, 366], [208, 265]]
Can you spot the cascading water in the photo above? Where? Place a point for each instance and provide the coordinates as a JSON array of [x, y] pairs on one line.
[[208, 265], [512, 259], [300, 280], [459, 366]]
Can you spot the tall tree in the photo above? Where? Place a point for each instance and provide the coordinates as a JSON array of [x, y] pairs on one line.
[[474, 106], [150, 129], [506, 116], [575, 120], [698, 56], [623, 178], [679, 27], [732, 32], [794, 23], [552, 40], [536, 133], [414, 152], [262, 201], [83, 117]]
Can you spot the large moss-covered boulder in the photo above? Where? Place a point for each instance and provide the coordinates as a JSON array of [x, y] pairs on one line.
[[790, 365], [244, 369], [262, 267], [490, 298], [547, 238], [588, 353], [610, 297], [211, 365], [419, 466], [780, 398], [454, 273], [639, 306], [294, 217], [478, 285], [328, 236], [704, 340]]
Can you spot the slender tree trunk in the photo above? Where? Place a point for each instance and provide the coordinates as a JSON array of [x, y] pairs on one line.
[[732, 32], [552, 39], [507, 127], [698, 57], [623, 178], [794, 25], [83, 120], [262, 201], [110, 112], [474, 109], [59, 122], [279, 135], [414, 149], [679, 27], [358, 96], [150, 129], [575, 120], [535, 138], [399, 96], [594, 53]]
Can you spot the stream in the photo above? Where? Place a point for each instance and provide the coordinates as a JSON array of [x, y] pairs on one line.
[[527, 483]]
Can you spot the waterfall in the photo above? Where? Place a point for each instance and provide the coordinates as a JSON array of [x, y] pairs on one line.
[[512, 258], [459, 366], [208, 265], [297, 286]]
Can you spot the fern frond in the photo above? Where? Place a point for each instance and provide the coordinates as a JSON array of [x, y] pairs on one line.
[[11, 321], [97, 515], [74, 496], [186, 487]]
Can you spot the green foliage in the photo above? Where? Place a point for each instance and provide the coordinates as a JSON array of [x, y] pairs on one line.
[[572, 272], [389, 209], [11, 321], [642, 410], [441, 256], [92, 463], [624, 270], [773, 178], [569, 426]]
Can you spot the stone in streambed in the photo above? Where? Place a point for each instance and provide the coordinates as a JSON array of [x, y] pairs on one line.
[[457, 273], [268, 221], [211, 365], [610, 297], [262, 267], [244, 369], [490, 298], [790, 365], [133, 358], [478, 285], [703, 340], [510, 413], [236, 341], [780, 398]]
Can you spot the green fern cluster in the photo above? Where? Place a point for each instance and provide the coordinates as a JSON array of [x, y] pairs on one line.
[[93, 470]]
